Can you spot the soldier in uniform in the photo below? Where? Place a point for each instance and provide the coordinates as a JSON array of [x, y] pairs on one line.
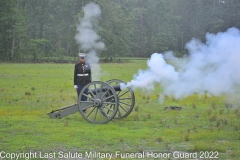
[[82, 75]]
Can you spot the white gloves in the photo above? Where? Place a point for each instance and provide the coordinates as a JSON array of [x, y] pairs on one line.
[[75, 86]]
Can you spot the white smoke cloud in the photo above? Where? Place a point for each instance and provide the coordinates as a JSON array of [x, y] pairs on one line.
[[212, 67], [89, 40]]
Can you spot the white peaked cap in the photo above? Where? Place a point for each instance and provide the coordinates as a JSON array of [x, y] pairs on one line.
[[82, 54]]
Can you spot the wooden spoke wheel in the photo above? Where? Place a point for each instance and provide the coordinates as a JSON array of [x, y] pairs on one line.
[[126, 99], [98, 102]]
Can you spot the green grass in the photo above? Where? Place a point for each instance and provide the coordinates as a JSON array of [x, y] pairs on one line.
[[29, 91]]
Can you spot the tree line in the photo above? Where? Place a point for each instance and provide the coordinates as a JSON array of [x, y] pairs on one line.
[[37, 29]]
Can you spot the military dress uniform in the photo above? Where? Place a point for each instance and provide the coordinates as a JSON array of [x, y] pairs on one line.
[[82, 76]]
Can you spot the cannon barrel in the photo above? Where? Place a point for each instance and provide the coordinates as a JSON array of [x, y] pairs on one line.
[[116, 88]]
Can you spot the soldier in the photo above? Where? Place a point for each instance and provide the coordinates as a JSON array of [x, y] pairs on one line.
[[82, 75]]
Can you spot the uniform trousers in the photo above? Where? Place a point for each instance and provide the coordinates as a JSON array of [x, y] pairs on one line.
[[80, 87]]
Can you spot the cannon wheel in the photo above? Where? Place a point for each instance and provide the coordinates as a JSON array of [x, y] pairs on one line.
[[100, 96], [126, 99]]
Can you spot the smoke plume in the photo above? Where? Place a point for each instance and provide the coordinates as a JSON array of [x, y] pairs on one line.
[[89, 40], [212, 68]]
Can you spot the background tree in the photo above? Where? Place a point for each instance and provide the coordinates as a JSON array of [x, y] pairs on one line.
[[38, 30]]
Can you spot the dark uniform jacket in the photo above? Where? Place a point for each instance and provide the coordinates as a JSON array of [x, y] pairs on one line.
[[82, 73]]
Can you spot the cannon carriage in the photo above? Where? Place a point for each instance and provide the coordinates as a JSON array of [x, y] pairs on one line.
[[105, 101]]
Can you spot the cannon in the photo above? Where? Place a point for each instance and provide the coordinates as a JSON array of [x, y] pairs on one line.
[[105, 101]]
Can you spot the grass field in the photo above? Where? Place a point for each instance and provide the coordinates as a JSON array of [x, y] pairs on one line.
[[29, 91]]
